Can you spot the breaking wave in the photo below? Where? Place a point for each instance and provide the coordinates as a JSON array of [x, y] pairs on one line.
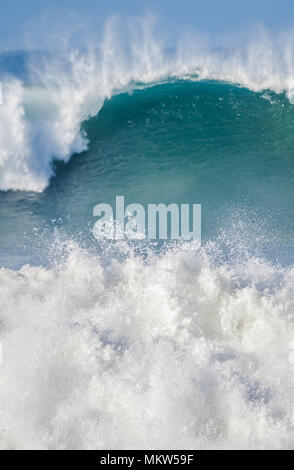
[[42, 122], [139, 346]]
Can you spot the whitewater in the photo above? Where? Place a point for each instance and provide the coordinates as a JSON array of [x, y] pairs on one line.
[[121, 345], [173, 352]]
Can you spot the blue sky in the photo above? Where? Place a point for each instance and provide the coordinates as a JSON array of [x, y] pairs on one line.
[[23, 21]]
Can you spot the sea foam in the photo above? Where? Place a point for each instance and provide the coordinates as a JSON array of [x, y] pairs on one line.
[[174, 351]]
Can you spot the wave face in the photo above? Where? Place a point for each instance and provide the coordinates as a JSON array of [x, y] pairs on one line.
[[206, 142], [137, 345]]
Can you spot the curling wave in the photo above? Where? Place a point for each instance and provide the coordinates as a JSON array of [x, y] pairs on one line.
[[43, 122]]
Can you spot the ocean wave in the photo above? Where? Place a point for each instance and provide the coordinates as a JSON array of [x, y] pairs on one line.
[[41, 123]]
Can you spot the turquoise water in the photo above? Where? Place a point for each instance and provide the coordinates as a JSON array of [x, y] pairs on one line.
[[206, 142]]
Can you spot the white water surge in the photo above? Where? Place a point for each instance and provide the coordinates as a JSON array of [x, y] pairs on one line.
[[170, 352]]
